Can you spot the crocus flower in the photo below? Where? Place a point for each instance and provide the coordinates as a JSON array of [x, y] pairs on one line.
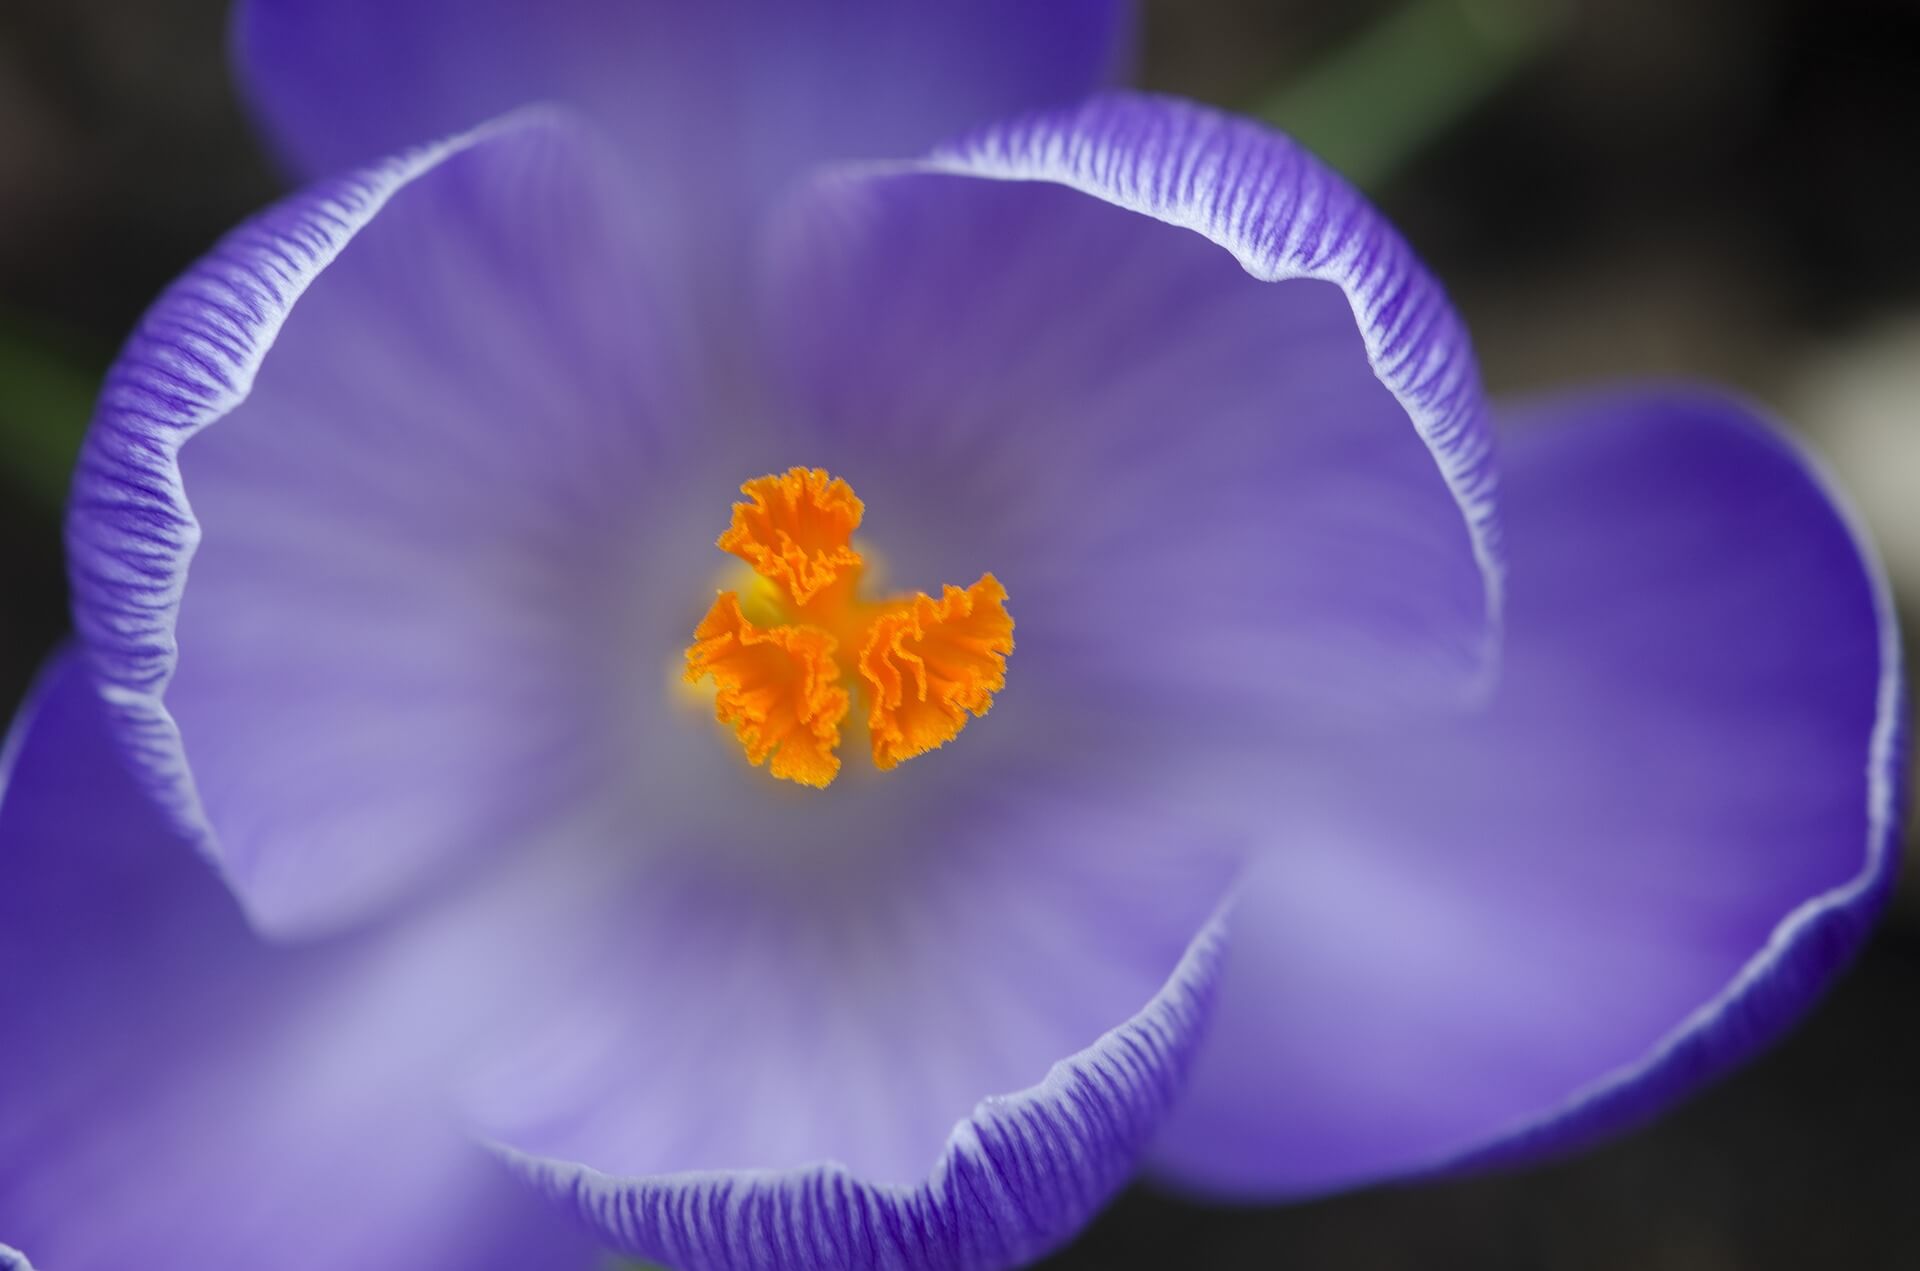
[[1156, 728]]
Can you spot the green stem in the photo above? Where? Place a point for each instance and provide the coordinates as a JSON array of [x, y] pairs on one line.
[[1376, 102], [45, 400]]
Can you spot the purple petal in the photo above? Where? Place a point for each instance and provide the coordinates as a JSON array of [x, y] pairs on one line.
[[737, 993], [1233, 481], [1490, 940], [795, 1005], [1017, 1175], [176, 1096], [846, 985], [730, 100], [381, 652], [759, 83]]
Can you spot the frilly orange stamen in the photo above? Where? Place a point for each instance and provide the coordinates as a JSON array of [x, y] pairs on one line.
[[930, 663], [797, 530], [924, 666], [778, 687]]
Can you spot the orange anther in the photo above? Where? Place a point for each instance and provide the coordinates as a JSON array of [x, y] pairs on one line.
[[779, 688], [797, 530], [925, 666], [928, 664]]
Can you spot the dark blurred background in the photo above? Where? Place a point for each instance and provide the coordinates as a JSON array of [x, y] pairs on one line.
[[1723, 189]]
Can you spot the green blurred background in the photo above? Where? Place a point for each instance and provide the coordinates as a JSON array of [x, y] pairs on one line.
[[1723, 189]]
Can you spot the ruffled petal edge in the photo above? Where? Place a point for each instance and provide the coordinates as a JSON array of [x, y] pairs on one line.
[[1018, 1177], [131, 532], [1282, 214]]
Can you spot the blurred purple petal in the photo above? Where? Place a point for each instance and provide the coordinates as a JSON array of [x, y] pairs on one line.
[[1226, 482], [382, 667], [717, 105], [1486, 941], [175, 1096], [753, 90]]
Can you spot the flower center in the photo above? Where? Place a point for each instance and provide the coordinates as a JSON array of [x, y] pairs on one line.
[[781, 655]]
